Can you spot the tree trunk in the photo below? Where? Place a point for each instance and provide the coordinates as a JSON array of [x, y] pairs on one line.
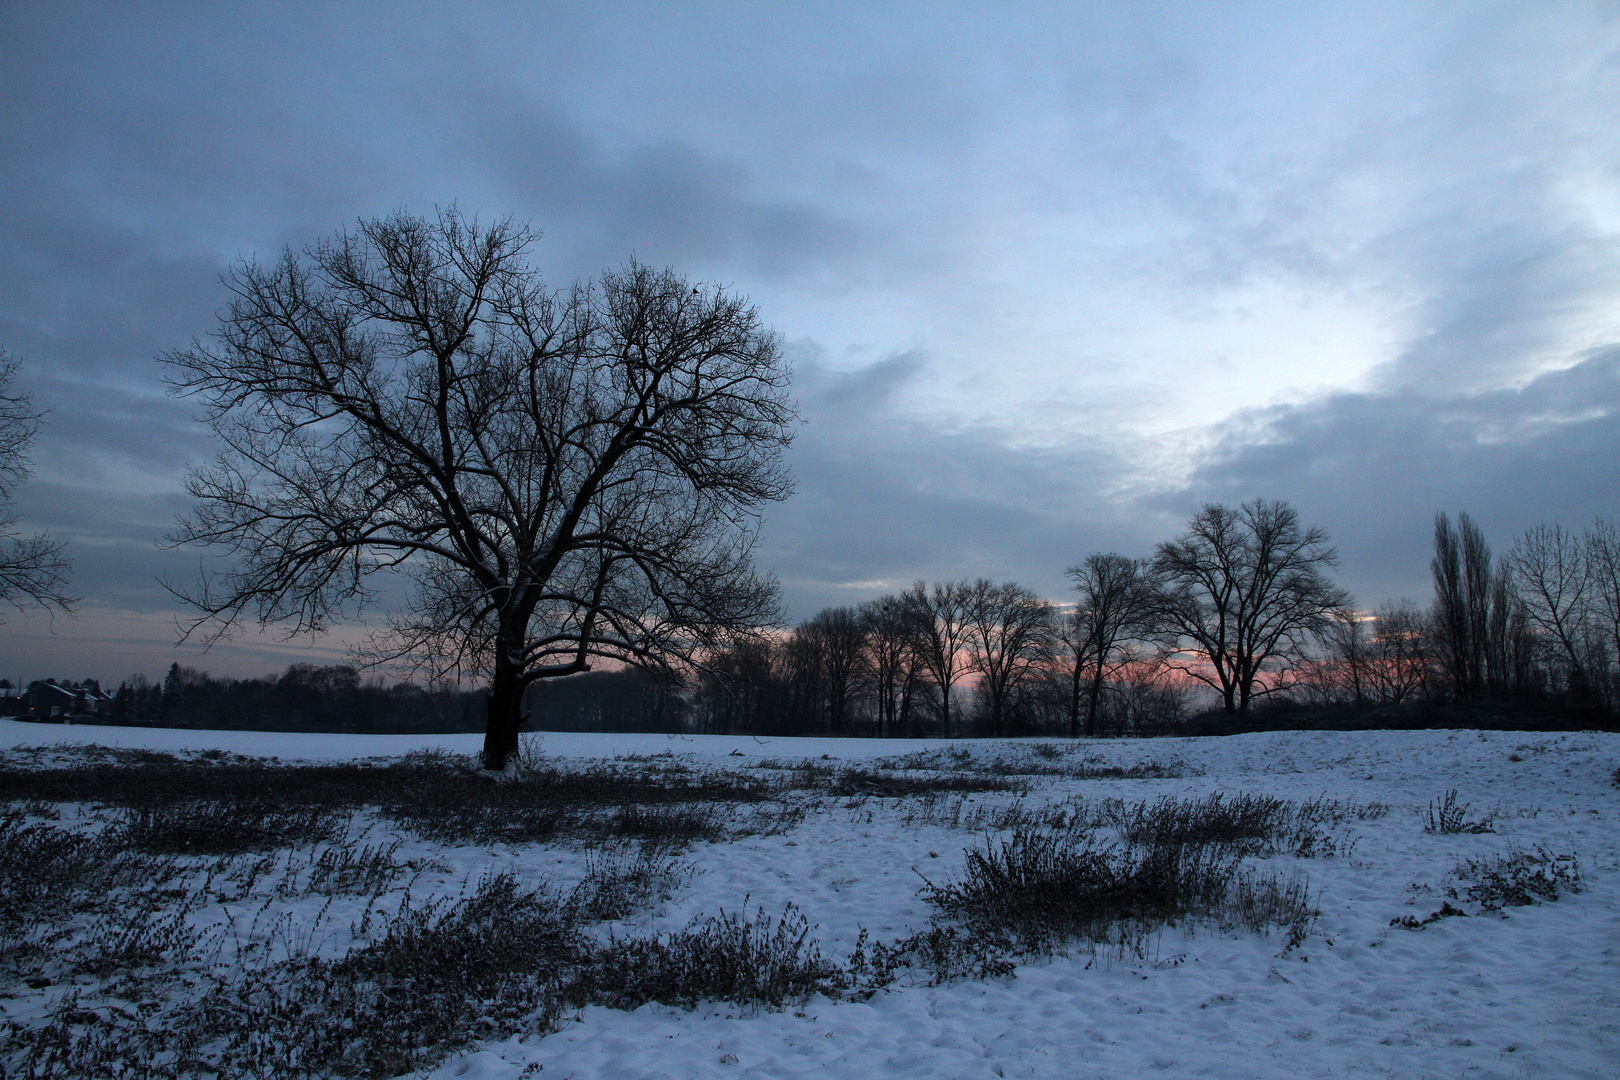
[[1093, 699], [1074, 706], [903, 719], [505, 716]]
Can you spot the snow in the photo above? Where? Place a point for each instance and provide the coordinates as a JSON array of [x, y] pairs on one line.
[[1529, 992]]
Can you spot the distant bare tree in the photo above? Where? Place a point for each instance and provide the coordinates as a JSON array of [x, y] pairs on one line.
[[1009, 629], [1244, 592], [1603, 566], [1114, 609], [1350, 654], [942, 634], [801, 668], [33, 569], [838, 637], [1401, 661], [567, 476], [739, 689], [894, 660], [1479, 630], [1549, 568]]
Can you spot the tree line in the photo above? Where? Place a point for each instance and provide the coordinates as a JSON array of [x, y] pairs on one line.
[[1231, 604], [1238, 610], [1541, 622], [305, 697]]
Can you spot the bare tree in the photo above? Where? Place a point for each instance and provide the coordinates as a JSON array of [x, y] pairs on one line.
[[1480, 633], [1550, 571], [1603, 564], [1348, 667], [1114, 609], [33, 568], [1009, 630], [565, 476], [838, 637], [942, 633], [1401, 660], [893, 660], [1243, 593]]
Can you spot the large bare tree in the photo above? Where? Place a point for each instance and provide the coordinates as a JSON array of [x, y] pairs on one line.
[[33, 568], [565, 476], [1244, 592]]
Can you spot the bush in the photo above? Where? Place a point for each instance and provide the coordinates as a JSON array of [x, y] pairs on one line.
[[722, 958], [1519, 879], [614, 885], [441, 977], [49, 876], [1448, 816], [219, 803], [1038, 890], [225, 827], [339, 870], [663, 826], [1244, 823]]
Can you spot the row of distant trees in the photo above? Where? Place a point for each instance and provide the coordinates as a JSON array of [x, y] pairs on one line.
[[1239, 609], [1233, 604], [305, 697], [1541, 622]]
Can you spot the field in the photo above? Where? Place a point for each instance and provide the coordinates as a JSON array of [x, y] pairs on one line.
[[1291, 904]]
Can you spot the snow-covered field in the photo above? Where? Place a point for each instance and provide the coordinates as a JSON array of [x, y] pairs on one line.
[[1531, 991]]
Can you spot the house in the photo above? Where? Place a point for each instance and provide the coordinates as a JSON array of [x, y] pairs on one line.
[[50, 702]]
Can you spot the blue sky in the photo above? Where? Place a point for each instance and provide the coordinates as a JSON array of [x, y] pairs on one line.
[[1051, 275]]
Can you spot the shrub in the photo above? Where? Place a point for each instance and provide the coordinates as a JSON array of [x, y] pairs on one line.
[[442, 976], [340, 870], [615, 885], [50, 875], [1243, 823], [1037, 890], [1246, 824], [1448, 816], [663, 826], [1519, 879], [724, 958], [225, 827]]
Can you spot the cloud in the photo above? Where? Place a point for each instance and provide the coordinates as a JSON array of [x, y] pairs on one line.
[[1375, 467], [884, 498]]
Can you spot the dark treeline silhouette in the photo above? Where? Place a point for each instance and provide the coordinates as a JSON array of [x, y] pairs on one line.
[[1537, 631], [628, 699], [305, 697], [1232, 625], [957, 658]]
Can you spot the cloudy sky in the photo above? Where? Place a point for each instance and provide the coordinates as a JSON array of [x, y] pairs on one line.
[[1050, 276]]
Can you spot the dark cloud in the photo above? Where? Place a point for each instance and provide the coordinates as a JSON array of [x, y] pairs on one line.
[[668, 202], [884, 498]]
